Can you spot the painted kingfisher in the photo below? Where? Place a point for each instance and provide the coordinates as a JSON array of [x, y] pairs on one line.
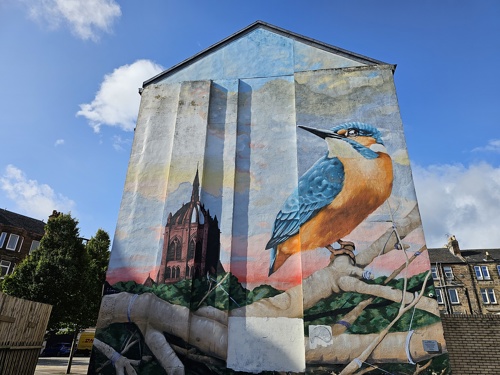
[[336, 194]]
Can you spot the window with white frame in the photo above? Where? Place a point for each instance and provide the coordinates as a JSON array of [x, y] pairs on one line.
[[34, 245], [439, 296], [453, 294], [12, 243], [4, 268], [491, 295], [434, 273], [488, 296], [4, 235], [448, 272], [482, 272]]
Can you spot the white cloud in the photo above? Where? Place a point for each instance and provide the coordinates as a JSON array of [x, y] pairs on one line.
[[59, 142], [460, 200], [86, 18], [492, 146], [117, 101], [119, 142], [31, 197]]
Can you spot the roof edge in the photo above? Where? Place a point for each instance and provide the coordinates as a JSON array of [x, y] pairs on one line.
[[462, 250], [261, 24]]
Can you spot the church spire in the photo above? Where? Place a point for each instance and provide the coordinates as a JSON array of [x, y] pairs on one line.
[[195, 195]]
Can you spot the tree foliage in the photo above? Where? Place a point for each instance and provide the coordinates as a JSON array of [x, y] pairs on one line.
[[63, 272], [98, 251]]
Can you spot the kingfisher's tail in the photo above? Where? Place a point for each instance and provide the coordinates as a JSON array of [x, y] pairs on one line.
[[274, 252], [277, 259]]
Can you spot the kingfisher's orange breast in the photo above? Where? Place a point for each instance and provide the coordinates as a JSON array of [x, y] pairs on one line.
[[367, 184]]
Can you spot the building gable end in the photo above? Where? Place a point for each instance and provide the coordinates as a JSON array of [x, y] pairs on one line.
[[261, 50]]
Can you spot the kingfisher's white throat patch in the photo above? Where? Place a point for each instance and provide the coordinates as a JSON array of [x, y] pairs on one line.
[[377, 147], [341, 149]]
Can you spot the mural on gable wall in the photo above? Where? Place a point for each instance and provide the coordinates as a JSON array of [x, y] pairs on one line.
[[269, 222]]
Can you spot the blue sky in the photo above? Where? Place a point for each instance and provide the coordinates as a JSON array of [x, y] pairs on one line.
[[71, 72]]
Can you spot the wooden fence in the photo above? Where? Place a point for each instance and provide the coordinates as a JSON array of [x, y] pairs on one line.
[[22, 328]]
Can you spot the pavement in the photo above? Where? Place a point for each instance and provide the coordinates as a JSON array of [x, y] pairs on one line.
[[58, 365]]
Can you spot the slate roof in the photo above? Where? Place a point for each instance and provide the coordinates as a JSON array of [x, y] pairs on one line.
[[479, 255], [443, 255], [272, 28], [9, 218]]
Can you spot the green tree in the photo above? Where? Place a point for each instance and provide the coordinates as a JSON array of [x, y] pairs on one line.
[[98, 251], [60, 273]]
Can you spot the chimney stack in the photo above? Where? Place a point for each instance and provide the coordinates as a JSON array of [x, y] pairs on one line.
[[54, 214], [453, 246]]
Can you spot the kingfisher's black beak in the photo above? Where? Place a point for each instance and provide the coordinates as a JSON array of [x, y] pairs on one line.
[[322, 133]]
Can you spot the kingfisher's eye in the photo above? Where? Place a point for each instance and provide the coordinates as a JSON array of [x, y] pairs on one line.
[[352, 132]]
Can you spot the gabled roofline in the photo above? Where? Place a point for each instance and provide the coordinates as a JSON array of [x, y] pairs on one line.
[[272, 28], [13, 220]]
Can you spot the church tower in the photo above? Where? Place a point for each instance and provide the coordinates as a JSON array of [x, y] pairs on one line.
[[190, 241]]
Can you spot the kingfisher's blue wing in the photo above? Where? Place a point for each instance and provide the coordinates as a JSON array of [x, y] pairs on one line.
[[316, 189]]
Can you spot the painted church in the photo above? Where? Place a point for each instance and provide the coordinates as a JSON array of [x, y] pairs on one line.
[[191, 241]]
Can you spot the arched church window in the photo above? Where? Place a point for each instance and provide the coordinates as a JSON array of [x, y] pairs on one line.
[[171, 251], [177, 272], [178, 250], [167, 273], [187, 271], [191, 249]]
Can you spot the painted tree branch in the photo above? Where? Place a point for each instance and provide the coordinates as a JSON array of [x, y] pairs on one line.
[[191, 354], [157, 343], [354, 364], [340, 275], [352, 315], [405, 225], [422, 368], [122, 364], [345, 348], [208, 333], [206, 328]]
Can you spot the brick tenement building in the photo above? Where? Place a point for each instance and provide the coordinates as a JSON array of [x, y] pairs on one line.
[[467, 284], [466, 281], [19, 235]]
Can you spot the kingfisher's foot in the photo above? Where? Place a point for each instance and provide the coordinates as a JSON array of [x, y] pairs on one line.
[[346, 248]]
